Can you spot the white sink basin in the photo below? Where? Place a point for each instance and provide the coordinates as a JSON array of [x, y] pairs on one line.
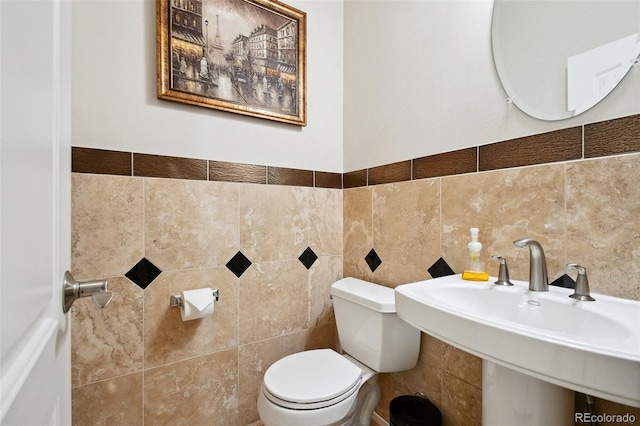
[[591, 347]]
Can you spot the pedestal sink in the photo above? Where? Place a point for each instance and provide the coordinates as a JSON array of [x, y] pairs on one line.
[[541, 341]]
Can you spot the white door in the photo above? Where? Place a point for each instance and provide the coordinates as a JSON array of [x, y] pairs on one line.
[[35, 50]]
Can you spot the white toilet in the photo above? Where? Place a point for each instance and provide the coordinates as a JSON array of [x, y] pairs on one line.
[[323, 388]]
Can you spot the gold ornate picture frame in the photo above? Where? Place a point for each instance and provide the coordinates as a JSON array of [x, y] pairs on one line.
[[241, 56]]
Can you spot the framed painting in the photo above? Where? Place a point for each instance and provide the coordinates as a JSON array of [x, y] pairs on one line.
[[241, 56]]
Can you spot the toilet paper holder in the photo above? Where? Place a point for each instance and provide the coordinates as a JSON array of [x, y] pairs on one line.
[[176, 299]]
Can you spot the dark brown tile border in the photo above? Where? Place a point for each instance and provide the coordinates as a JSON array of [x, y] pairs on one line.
[[285, 176], [611, 137], [237, 172], [328, 180], [354, 179], [616, 136], [605, 138], [446, 164], [100, 161], [161, 166], [390, 173], [550, 147]]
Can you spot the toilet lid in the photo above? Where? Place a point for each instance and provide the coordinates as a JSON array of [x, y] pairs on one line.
[[311, 376]]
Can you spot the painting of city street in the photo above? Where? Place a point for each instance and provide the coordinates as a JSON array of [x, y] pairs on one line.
[[241, 56]]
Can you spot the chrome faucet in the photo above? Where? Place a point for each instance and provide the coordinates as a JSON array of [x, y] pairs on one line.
[[538, 277]]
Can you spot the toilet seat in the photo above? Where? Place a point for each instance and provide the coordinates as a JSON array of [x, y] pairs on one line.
[[311, 380]]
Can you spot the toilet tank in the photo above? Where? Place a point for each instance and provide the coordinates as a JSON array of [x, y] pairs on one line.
[[369, 328]]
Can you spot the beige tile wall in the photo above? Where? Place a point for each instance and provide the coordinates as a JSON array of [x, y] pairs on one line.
[[586, 212], [136, 362]]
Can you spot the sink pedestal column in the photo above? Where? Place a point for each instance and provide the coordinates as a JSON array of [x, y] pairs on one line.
[[512, 398]]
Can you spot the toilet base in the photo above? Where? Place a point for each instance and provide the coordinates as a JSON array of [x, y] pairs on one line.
[[368, 398]]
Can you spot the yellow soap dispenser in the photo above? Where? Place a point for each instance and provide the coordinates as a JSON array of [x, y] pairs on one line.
[[474, 269]]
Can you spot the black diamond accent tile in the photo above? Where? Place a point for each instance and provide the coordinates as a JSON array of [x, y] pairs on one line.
[[143, 273], [564, 281], [440, 269], [238, 264], [308, 257], [373, 260]]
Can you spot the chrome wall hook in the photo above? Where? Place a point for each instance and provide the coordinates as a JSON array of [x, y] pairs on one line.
[[72, 290]]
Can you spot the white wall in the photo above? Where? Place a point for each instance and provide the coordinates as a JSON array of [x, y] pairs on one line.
[[419, 79], [115, 105], [387, 81]]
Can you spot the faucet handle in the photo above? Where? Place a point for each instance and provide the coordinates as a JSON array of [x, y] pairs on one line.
[[582, 283], [503, 272]]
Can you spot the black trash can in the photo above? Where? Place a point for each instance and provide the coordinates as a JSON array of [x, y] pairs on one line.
[[411, 410]]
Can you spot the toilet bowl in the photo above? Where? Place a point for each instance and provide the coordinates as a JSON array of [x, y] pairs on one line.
[[324, 388]]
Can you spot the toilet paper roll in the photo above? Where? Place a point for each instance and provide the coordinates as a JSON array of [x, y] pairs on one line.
[[196, 304]]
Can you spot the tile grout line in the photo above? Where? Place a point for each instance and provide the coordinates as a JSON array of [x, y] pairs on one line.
[[411, 169], [441, 224], [238, 345], [144, 254], [566, 192], [583, 126]]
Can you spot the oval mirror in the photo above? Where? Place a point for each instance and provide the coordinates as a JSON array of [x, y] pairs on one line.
[[557, 59]]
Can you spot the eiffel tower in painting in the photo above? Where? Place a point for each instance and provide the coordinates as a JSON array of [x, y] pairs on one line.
[[215, 50]]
